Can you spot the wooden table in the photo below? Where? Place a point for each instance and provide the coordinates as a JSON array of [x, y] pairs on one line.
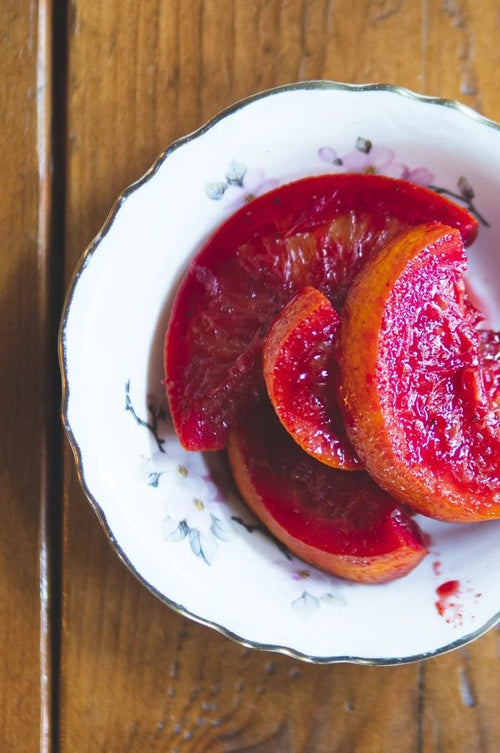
[[91, 91]]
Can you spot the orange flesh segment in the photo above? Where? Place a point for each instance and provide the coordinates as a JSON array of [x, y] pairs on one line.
[[299, 364], [412, 389], [339, 521]]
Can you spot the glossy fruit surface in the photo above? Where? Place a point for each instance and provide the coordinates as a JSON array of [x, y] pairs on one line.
[[339, 521], [489, 353], [412, 380], [316, 231], [299, 370]]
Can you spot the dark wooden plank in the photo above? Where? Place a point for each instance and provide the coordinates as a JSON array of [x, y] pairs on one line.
[[26, 379]]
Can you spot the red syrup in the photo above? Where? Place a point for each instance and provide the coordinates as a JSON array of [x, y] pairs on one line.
[[447, 604], [436, 567], [448, 589]]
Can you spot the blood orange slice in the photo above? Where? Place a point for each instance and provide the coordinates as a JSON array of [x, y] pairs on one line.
[[339, 521], [299, 365], [317, 231], [412, 382]]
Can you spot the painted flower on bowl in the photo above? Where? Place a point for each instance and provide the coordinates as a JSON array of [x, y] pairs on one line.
[[375, 159], [191, 507], [240, 185], [310, 588], [191, 498]]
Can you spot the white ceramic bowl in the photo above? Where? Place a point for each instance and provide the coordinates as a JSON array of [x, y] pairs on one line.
[[207, 560]]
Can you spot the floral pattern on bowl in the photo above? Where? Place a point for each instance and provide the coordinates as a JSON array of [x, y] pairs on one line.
[[365, 158], [240, 185], [174, 517], [192, 503]]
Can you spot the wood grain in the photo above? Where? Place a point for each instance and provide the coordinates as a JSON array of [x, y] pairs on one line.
[[25, 389], [136, 676]]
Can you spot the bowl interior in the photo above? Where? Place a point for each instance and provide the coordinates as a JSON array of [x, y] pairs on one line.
[[175, 517]]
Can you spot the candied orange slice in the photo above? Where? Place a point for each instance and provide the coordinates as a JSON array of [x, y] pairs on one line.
[[315, 231], [339, 521], [413, 393], [299, 364]]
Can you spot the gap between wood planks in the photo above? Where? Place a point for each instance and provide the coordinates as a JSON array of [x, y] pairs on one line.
[[51, 140]]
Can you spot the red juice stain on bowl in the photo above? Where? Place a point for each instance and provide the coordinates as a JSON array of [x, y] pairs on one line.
[[436, 567], [447, 604]]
